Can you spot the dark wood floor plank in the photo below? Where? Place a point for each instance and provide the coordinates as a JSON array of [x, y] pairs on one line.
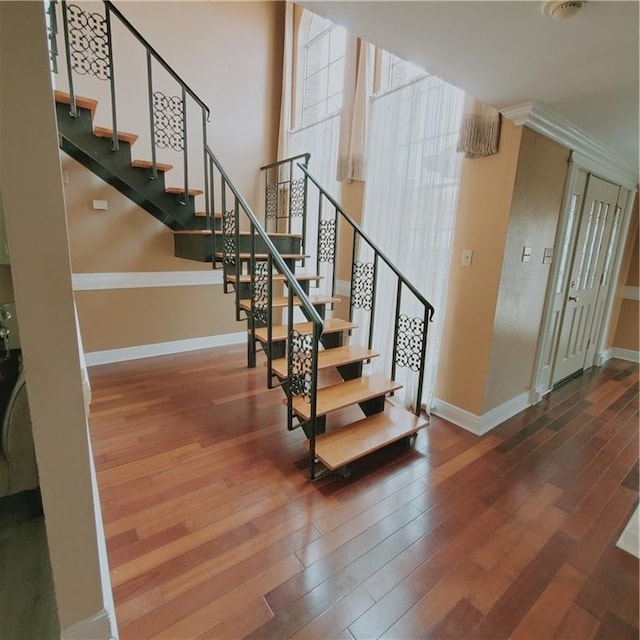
[[214, 531]]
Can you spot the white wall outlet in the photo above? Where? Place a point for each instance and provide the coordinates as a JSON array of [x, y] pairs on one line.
[[526, 254], [65, 177], [100, 205], [467, 254]]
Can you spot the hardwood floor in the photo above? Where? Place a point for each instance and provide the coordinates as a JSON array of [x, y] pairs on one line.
[[214, 531]]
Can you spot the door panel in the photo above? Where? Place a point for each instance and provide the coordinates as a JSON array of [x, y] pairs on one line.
[[580, 295]]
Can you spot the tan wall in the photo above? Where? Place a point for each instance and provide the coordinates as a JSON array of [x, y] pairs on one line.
[[231, 55], [484, 206], [627, 330], [119, 318], [32, 194], [628, 277], [537, 198]]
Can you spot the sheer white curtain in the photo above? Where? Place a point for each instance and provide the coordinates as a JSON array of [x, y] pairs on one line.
[[409, 211]]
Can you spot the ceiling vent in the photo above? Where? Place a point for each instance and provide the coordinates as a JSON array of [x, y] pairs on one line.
[[561, 9]]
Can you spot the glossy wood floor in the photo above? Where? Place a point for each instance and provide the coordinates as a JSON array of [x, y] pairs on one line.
[[214, 531]]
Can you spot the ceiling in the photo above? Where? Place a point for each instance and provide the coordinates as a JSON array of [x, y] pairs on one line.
[[507, 52]]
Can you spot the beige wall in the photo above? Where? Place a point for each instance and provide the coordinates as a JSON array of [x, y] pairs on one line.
[[626, 329], [119, 318], [484, 207], [231, 56], [537, 198], [32, 194]]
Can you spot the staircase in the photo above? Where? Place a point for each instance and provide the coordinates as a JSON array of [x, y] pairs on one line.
[[310, 353]]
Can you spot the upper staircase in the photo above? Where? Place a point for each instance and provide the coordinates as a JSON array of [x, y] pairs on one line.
[[281, 270]]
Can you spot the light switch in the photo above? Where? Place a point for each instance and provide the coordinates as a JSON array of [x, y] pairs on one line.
[[100, 205], [548, 255], [526, 254], [467, 254]]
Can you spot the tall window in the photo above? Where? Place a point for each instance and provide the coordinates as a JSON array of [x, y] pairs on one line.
[[320, 60], [395, 72]]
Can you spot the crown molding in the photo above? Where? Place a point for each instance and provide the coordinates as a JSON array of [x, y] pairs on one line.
[[587, 152]]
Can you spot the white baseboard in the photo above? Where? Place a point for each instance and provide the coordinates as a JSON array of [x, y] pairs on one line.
[[479, 425], [163, 348], [626, 354], [629, 541], [602, 357], [96, 627]]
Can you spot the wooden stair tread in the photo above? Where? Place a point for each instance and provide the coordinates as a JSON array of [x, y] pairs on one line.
[[192, 232], [82, 102], [346, 444], [265, 256], [180, 190], [328, 358], [123, 136], [270, 234], [203, 214], [281, 331], [278, 277], [280, 302], [148, 164], [345, 394]]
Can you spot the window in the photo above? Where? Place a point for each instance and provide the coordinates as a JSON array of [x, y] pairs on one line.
[[395, 72], [320, 62]]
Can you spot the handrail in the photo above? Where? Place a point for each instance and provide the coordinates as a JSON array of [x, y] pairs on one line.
[[277, 163], [156, 55], [277, 258], [370, 242]]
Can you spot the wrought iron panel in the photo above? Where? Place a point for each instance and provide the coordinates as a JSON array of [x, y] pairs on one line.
[[409, 342], [327, 241], [229, 248], [88, 42], [362, 285], [168, 121], [297, 198], [301, 358], [260, 282], [272, 201]]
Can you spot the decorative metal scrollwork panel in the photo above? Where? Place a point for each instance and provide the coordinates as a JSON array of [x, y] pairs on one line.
[[301, 356], [229, 237], [88, 43], [168, 121], [362, 285], [260, 282], [297, 198], [327, 241], [409, 342], [272, 201]]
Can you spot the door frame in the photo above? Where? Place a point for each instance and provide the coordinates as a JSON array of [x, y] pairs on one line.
[[545, 352]]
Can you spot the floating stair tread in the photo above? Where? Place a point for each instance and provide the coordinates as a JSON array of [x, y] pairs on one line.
[[180, 190], [192, 232], [265, 256], [271, 235], [203, 214], [83, 103], [148, 164], [344, 445], [345, 394], [279, 277], [123, 136], [328, 358], [280, 302], [281, 331]]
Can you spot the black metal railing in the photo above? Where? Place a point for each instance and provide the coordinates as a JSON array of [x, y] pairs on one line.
[[89, 47], [302, 349], [409, 342]]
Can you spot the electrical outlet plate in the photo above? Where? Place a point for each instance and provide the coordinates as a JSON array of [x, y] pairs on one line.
[[100, 205], [467, 255]]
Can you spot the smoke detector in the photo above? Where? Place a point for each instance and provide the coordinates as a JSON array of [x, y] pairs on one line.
[[561, 9]]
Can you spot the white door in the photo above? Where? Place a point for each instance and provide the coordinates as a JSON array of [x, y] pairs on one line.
[[581, 284]]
